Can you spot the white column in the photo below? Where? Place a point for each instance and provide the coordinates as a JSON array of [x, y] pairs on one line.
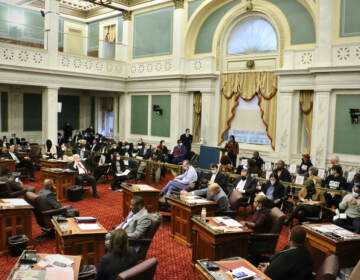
[[116, 116], [85, 111], [323, 52], [51, 42], [15, 101], [126, 115], [178, 30], [320, 128], [126, 36], [284, 121], [122, 115], [208, 126], [50, 114]]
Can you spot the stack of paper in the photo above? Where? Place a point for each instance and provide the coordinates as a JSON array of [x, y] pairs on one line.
[[52, 273], [16, 202], [51, 259], [89, 226], [145, 188]]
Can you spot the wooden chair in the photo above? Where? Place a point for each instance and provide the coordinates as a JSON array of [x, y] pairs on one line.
[[265, 243], [142, 271]]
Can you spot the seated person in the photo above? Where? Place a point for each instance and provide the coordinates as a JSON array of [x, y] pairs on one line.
[[282, 172], [214, 177], [226, 164], [335, 161], [125, 148], [146, 154], [83, 174], [245, 185], [261, 221], [258, 160], [293, 262], [161, 147], [21, 162], [311, 200], [83, 152], [48, 193], [135, 150], [351, 204], [61, 150], [178, 155], [118, 171], [305, 165], [313, 176], [50, 150], [182, 181], [136, 223], [119, 257], [101, 166], [251, 166], [334, 181], [214, 193], [15, 183], [274, 191]]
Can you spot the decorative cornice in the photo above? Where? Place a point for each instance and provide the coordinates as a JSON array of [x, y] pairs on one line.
[[127, 15], [179, 4]]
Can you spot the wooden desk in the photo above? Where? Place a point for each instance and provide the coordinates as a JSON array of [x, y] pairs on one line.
[[14, 221], [150, 196], [71, 240], [75, 265], [10, 164], [62, 180], [212, 244], [321, 246], [54, 164], [181, 214]]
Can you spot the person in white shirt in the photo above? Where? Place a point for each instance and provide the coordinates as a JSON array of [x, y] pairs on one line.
[[84, 174], [245, 185]]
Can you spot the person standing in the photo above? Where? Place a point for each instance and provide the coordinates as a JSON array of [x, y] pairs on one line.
[[68, 132], [232, 149], [187, 139]]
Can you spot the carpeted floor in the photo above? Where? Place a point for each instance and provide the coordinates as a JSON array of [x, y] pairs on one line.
[[173, 257]]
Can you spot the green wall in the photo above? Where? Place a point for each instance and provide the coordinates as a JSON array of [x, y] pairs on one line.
[[4, 112], [21, 24], [32, 112], [193, 6], [70, 111], [303, 33], [153, 33], [139, 114], [160, 125], [93, 36], [350, 20], [346, 140]]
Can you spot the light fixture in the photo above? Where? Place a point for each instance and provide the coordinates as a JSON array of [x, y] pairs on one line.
[[354, 115], [157, 110]]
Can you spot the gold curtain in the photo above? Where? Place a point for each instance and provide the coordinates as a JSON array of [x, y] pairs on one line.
[[306, 105], [197, 116], [247, 85], [110, 33]]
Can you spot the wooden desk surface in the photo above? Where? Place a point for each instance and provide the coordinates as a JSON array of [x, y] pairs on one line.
[[187, 204], [137, 189], [226, 266], [58, 171], [75, 265], [211, 222], [71, 228], [5, 206]]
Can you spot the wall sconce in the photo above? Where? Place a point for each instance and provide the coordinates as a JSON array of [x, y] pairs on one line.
[[157, 110], [354, 115]]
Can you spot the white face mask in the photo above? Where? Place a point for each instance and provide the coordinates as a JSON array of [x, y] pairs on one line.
[[213, 171], [355, 195], [272, 182], [258, 208], [118, 158]]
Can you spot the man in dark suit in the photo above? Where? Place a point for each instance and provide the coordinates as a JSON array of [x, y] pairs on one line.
[[274, 190], [245, 185], [282, 172], [84, 174], [293, 262], [48, 193], [258, 160], [68, 132], [215, 176], [21, 162], [187, 139], [14, 140], [83, 153], [117, 169], [179, 153]]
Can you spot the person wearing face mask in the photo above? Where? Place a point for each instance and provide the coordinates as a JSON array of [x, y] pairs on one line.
[[232, 149], [101, 166], [118, 171], [146, 154], [179, 154], [134, 150], [83, 152], [141, 144], [313, 176], [187, 139], [214, 193], [282, 172], [311, 200], [305, 165], [216, 176], [182, 181], [261, 221], [274, 190], [351, 204], [334, 181], [335, 161], [136, 223], [245, 185]]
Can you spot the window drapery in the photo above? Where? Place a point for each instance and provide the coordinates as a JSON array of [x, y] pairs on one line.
[[247, 85], [306, 106], [197, 116], [110, 33]]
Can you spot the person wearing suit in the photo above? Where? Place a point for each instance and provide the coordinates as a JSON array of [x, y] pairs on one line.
[[245, 185], [214, 177], [14, 140], [101, 166], [137, 223], [119, 258], [21, 162], [83, 153], [187, 139], [274, 190], [179, 153], [68, 130], [145, 153], [48, 193], [293, 262], [214, 193], [15, 183], [117, 168], [84, 174], [282, 172], [258, 160], [50, 149]]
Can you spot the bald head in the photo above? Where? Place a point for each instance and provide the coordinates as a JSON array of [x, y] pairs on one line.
[[214, 189], [76, 158]]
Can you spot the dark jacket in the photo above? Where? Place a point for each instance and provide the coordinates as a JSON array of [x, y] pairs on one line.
[[279, 190], [304, 168], [76, 168], [291, 263], [258, 162], [112, 264], [50, 199], [114, 168], [220, 178], [262, 220], [15, 186], [249, 187], [284, 174], [331, 181]]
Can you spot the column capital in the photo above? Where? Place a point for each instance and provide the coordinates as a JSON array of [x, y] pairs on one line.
[[127, 15], [52, 87], [179, 4]]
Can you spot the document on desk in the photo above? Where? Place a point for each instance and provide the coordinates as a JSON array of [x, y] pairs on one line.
[[16, 202], [29, 275], [145, 188], [196, 200], [59, 258], [66, 273], [227, 221], [93, 226]]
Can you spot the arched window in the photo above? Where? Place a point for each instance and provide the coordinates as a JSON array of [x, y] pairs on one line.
[[252, 35]]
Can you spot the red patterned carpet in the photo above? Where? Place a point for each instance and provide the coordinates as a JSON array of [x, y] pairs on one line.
[[173, 257]]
